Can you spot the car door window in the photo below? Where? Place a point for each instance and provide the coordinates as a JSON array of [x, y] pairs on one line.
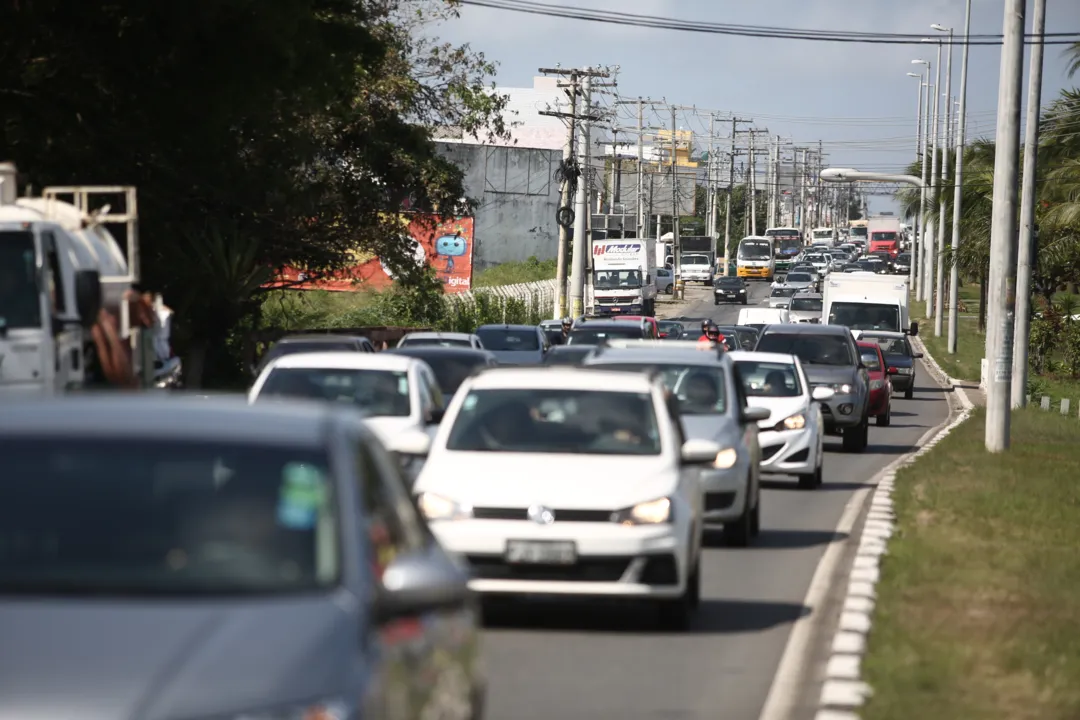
[[393, 527], [434, 391]]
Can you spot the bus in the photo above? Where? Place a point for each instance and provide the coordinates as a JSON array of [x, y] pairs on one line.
[[755, 258], [787, 244]]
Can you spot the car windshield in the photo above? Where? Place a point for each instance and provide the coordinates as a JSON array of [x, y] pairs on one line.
[[699, 388], [810, 349], [19, 306], [870, 358], [616, 279], [815, 259], [858, 232], [822, 234], [883, 237], [806, 304], [769, 379], [670, 327], [165, 517], [299, 348], [903, 258], [435, 341], [891, 346], [547, 420], [451, 370], [381, 393], [860, 316], [755, 250], [509, 340], [596, 336], [799, 278], [784, 292], [729, 282]]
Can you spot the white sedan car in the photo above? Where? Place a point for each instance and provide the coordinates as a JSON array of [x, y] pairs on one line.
[[398, 394], [791, 439], [569, 482]]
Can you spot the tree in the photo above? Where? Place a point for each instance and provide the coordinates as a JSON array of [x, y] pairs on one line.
[[258, 135]]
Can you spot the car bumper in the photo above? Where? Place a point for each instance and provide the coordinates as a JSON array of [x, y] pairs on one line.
[[726, 494], [729, 297], [612, 560], [837, 420], [903, 382], [627, 309], [879, 401], [754, 272], [791, 452]]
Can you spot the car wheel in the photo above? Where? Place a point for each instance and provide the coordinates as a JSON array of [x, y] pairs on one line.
[[739, 532], [715, 301], [675, 614], [885, 418], [811, 481], [855, 438], [744, 301], [910, 392]]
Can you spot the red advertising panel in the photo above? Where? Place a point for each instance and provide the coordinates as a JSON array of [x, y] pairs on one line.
[[445, 246]]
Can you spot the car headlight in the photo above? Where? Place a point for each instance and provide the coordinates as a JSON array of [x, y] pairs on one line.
[[437, 507], [877, 384], [904, 371], [653, 512], [725, 459], [742, 291], [843, 388], [335, 710], [795, 422]]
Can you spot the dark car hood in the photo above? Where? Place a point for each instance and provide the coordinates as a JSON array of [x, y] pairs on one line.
[[518, 357], [819, 374], [117, 660]]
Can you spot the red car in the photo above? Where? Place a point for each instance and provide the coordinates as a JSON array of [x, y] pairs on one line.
[[639, 318], [880, 383]]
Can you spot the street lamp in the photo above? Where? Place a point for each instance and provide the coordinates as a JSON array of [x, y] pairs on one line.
[[934, 187], [920, 293], [958, 182], [946, 127], [920, 154]]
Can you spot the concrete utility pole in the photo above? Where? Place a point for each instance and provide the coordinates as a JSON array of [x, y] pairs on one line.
[[946, 122], [1025, 252], [675, 235], [819, 216], [710, 206], [581, 206], [752, 178], [1001, 294], [934, 190], [920, 292], [564, 201], [913, 251], [958, 182], [642, 222], [801, 175]]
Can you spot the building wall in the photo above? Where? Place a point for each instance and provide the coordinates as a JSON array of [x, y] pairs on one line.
[[518, 197]]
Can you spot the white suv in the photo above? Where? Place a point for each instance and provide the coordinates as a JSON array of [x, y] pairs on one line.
[[562, 481]]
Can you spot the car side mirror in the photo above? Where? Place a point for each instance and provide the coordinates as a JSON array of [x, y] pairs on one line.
[[917, 356], [754, 414], [699, 452], [418, 582], [435, 416], [822, 393], [88, 296], [914, 329], [415, 444]]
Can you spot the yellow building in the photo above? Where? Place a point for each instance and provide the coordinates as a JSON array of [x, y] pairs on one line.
[[684, 145]]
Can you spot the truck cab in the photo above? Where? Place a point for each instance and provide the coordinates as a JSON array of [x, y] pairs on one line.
[[622, 279], [867, 301]]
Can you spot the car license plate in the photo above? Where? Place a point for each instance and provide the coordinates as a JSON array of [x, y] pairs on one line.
[[540, 552]]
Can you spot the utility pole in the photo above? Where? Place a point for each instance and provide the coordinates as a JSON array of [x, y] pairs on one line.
[[1001, 294], [934, 190], [1025, 252], [642, 221], [913, 251], [920, 293], [581, 202], [958, 194], [753, 186], [801, 174], [946, 122], [675, 238], [564, 201], [710, 205]]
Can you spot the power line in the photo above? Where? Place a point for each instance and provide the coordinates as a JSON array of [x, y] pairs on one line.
[[663, 23]]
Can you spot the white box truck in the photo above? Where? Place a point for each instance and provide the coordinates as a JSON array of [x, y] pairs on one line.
[[622, 279], [867, 301]]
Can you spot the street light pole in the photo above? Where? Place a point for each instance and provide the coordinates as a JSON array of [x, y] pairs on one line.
[[934, 187], [958, 182], [1025, 252], [1001, 293], [925, 167], [946, 118], [913, 251]]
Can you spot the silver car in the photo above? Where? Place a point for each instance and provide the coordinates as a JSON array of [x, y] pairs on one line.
[[806, 307], [515, 344], [800, 280], [202, 558], [443, 339], [780, 297], [711, 408]]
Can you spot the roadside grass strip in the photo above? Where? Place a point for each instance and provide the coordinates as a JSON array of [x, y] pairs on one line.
[[977, 612]]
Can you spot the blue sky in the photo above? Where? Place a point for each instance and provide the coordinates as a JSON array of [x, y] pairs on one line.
[[856, 98]]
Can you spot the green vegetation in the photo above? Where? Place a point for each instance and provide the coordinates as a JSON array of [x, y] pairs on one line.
[[259, 135], [976, 612], [512, 273]]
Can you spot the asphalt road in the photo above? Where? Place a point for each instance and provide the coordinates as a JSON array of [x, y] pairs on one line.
[[576, 662]]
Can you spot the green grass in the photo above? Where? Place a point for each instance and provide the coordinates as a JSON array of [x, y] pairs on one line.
[[977, 614], [970, 343], [512, 273], [306, 309]]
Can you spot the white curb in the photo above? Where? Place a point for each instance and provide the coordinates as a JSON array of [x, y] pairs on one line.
[[844, 691]]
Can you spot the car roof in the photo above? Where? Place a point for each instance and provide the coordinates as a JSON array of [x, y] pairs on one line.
[[748, 356], [319, 338], [590, 324], [660, 354], [805, 329], [582, 349], [423, 351], [345, 361], [560, 378], [880, 333], [172, 416], [812, 295], [504, 326], [440, 335]]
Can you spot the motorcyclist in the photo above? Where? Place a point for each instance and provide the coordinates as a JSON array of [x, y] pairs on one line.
[[567, 326], [711, 337]]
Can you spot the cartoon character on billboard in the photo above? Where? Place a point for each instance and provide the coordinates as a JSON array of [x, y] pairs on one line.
[[450, 247]]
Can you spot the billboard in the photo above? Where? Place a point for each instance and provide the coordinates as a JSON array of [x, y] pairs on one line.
[[445, 246]]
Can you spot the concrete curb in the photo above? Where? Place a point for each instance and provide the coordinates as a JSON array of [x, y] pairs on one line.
[[843, 691]]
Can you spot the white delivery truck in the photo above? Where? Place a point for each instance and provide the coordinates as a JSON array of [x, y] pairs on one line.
[[867, 301], [759, 317], [622, 278]]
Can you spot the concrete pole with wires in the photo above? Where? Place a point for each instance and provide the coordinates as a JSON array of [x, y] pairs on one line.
[[920, 291], [676, 240], [913, 251], [642, 222], [1001, 292], [564, 201], [727, 200], [935, 189], [1025, 252], [946, 122], [958, 183], [581, 204], [710, 169]]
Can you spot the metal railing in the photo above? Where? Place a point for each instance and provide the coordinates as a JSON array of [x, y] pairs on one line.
[[535, 298]]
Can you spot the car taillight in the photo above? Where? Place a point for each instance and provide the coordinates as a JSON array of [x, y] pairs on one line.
[[893, 370]]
